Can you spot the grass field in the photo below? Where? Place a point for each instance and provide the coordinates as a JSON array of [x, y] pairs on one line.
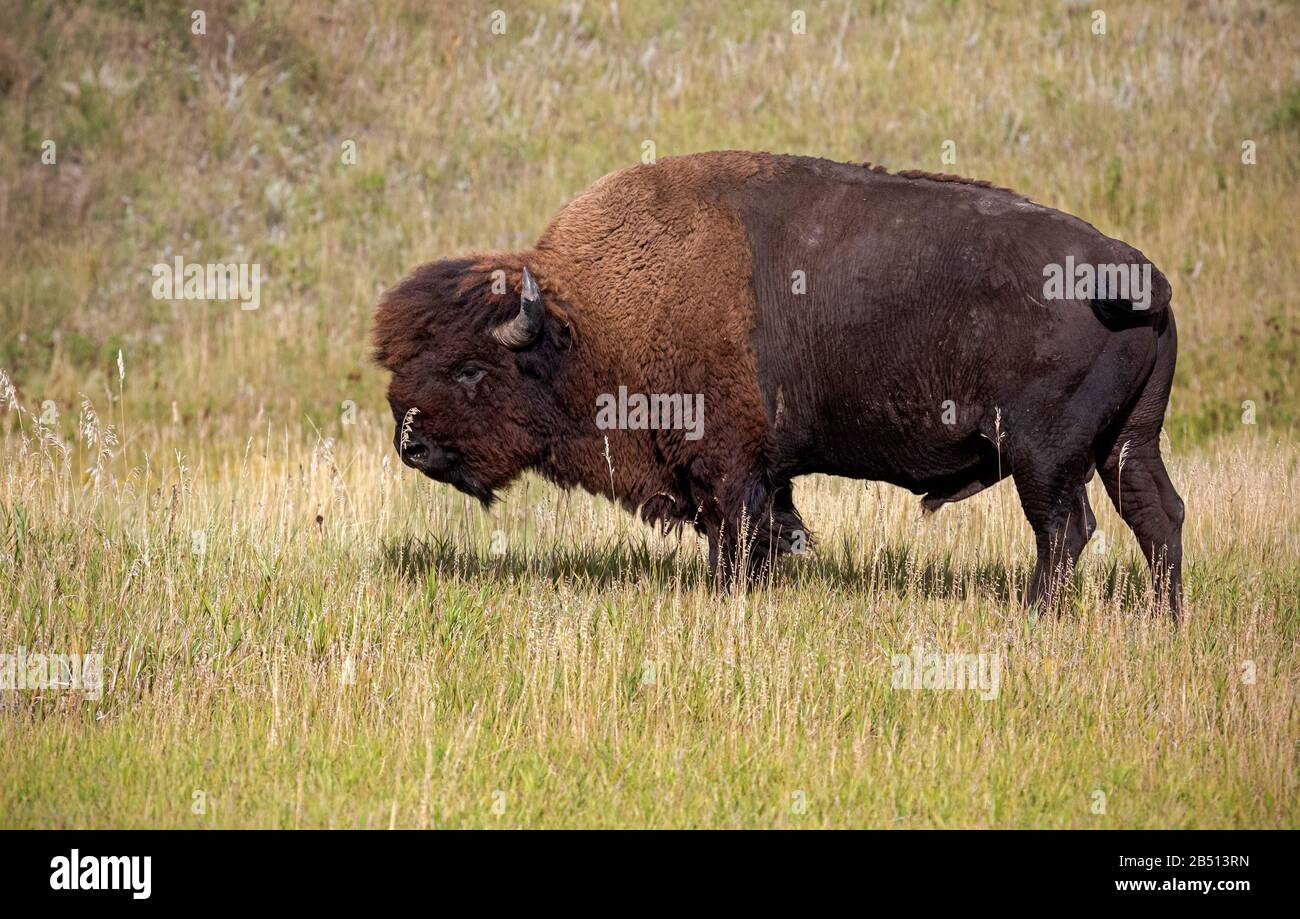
[[297, 631]]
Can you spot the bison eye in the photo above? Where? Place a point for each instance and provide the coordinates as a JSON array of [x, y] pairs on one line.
[[469, 374]]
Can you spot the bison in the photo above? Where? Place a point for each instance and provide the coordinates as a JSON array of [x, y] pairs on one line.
[[929, 331]]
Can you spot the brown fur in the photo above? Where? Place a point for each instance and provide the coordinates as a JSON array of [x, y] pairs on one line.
[[677, 322]]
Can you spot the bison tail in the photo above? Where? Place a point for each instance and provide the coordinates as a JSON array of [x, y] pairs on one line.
[[1146, 298]]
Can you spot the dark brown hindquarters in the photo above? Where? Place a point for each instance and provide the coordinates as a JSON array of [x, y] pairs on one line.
[[1128, 458]]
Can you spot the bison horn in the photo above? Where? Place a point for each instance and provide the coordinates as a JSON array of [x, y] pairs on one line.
[[523, 330]]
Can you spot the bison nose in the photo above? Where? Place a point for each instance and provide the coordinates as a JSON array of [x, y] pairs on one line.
[[427, 457], [414, 453]]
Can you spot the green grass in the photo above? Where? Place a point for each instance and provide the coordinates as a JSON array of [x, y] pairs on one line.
[[353, 647]]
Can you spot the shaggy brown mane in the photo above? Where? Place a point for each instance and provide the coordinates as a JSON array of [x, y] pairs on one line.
[[407, 313]]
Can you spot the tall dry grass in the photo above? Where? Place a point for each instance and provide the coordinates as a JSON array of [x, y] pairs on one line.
[[304, 636]]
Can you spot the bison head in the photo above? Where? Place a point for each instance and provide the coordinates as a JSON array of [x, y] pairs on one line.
[[473, 350]]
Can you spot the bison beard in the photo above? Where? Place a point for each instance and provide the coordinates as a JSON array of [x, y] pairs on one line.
[[835, 318]]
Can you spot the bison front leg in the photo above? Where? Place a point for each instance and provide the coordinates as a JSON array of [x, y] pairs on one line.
[[754, 528]]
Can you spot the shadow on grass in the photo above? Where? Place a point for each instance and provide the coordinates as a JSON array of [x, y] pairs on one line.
[[891, 569], [592, 566]]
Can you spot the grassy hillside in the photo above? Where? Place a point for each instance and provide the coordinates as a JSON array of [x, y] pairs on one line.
[[305, 634], [229, 146]]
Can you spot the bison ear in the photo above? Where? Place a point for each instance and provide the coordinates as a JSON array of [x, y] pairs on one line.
[[523, 330]]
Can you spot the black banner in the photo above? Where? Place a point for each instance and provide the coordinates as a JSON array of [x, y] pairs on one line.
[[1222, 869]]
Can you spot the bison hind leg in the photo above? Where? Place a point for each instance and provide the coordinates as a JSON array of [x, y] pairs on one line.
[[1138, 484]]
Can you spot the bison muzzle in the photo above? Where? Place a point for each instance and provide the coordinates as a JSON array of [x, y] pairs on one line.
[[928, 331]]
